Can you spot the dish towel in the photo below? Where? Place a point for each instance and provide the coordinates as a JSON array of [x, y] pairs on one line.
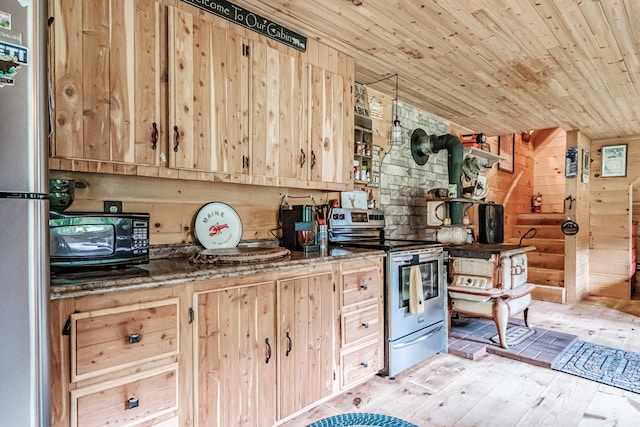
[[416, 296]]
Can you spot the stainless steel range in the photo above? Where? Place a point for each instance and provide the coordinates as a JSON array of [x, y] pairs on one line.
[[415, 294]]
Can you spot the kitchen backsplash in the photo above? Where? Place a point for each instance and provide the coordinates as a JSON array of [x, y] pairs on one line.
[[404, 184]]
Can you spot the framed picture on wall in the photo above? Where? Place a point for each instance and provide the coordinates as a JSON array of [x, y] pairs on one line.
[[505, 150], [614, 161]]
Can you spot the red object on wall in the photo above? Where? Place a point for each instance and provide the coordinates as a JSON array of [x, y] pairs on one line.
[[536, 203]]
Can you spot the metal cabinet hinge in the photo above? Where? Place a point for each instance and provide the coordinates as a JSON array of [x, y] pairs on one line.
[[66, 329]]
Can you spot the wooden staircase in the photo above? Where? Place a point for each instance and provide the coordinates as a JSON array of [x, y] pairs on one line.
[[546, 263]]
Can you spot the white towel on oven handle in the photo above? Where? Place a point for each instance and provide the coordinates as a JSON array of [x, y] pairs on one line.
[[416, 296]]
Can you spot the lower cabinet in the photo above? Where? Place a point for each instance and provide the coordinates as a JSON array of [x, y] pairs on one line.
[[244, 351], [236, 360], [264, 349]]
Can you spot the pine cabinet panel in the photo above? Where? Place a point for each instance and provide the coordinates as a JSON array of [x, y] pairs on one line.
[[331, 149], [130, 401], [278, 128], [208, 95], [306, 337], [106, 340], [236, 364], [105, 71]]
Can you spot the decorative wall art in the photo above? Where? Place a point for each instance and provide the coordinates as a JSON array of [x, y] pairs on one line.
[[614, 161], [505, 150]]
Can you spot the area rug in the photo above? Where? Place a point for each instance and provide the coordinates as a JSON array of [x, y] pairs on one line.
[[361, 419], [606, 365], [514, 335]]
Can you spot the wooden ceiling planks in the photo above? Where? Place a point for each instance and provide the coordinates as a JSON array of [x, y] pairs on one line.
[[494, 66]]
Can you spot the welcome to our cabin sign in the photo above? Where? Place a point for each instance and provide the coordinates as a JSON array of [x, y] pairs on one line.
[[252, 21]]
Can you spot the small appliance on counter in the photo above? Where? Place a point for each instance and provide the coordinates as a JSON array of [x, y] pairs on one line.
[[79, 240], [298, 228]]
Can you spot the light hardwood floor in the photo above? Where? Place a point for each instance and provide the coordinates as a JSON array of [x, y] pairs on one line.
[[495, 391]]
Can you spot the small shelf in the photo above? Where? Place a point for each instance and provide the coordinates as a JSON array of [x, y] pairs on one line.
[[490, 159]]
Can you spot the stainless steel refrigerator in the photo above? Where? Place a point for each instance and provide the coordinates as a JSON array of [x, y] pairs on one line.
[[24, 212]]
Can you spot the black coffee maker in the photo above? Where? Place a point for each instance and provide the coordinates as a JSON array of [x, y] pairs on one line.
[[298, 228]]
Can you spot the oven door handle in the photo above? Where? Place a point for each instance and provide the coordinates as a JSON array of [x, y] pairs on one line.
[[417, 340]]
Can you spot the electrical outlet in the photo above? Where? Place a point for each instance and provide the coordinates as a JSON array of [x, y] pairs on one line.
[[112, 206]]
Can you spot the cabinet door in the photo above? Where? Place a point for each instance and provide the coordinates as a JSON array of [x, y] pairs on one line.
[[278, 110], [331, 147], [106, 67], [236, 364], [306, 341], [208, 95]]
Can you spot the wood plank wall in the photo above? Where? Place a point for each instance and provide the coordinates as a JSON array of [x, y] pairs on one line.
[[576, 259], [548, 169], [173, 204], [610, 222]]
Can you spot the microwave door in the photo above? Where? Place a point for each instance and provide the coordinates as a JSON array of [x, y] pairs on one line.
[[83, 241]]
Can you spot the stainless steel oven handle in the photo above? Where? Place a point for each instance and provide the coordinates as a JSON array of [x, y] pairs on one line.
[[417, 340]]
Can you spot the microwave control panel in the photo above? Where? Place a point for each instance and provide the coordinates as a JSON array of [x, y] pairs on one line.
[[140, 237]]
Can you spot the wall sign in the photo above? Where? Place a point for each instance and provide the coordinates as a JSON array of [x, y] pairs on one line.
[[571, 162], [252, 21]]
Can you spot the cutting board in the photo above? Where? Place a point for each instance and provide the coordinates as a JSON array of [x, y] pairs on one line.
[[240, 255]]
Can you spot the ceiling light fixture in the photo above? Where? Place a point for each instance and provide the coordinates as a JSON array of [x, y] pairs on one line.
[[396, 132]]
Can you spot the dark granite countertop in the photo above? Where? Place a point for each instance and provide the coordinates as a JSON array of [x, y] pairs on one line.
[[179, 270]]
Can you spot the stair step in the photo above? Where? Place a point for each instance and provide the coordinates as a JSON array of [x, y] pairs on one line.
[[551, 246], [550, 294], [542, 231], [541, 219], [546, 276], [545, 260]]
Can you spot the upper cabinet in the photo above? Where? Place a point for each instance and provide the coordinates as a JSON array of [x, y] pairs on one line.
[[279, 141], [240, 107], [105, 67], [208, 71]]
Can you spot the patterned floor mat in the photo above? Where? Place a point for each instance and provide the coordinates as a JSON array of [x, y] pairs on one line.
[[361, 419], [606, 365]]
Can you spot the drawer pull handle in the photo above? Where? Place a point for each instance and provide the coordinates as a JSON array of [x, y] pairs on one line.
[[313, 160], [266, 340], [364, 287], [134, 338], [134, 402], [365, 325], [365, 365], [289, 344], [303, 158]]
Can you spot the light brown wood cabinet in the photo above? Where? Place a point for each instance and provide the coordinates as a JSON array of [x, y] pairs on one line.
[[208, 95], [249, 350], [263, 346], [306, 341], [362, 317], [105, 71], [236, 348], [241, 107], [116, 361]]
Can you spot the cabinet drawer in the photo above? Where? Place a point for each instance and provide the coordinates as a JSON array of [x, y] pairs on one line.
[[106, 340], [360, 364], [360, 324], [130, 401], [360, 286]]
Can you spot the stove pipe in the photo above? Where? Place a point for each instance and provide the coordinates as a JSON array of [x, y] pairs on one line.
[[422, 145]]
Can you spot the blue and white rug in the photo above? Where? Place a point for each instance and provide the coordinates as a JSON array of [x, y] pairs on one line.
[[606, 365], [361, 419]]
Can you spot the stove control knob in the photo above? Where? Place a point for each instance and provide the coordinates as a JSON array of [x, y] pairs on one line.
[[335, 216], [341, 216], [381, 217]]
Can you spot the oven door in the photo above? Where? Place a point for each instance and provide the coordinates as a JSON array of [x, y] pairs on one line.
[[400, 264]]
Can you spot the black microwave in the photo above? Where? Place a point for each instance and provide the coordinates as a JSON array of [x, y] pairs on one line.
[[92, 239]]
